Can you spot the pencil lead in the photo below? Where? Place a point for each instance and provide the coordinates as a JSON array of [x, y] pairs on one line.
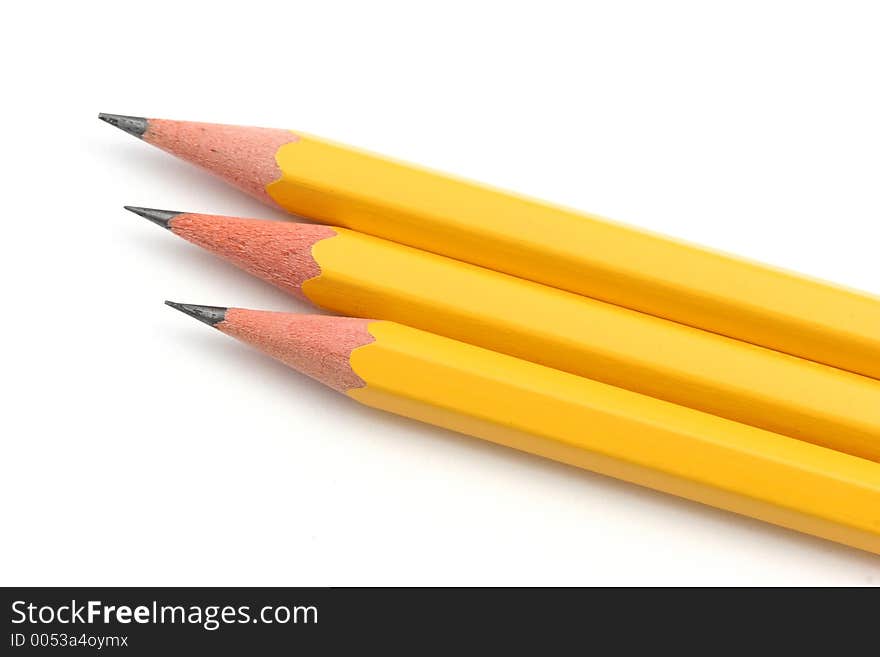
[[159, 217], [210, 315], [133, 125]]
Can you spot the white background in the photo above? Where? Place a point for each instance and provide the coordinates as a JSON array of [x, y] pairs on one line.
[[140, 447]]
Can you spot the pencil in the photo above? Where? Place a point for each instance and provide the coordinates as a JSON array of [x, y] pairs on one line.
[[572, 251], [355, 274], [574, 420]]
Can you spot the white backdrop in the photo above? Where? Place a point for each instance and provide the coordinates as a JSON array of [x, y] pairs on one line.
[[140, 447]]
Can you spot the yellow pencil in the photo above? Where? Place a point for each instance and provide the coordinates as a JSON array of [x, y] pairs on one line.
[[356, 274], [573, 420], [572, 251]]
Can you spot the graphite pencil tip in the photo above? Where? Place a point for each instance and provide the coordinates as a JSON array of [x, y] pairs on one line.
[[133, 125], [210, 315], [159, 217]]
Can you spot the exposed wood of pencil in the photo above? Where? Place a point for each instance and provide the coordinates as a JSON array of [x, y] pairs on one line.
[[574, 420], [534, 240], [356, 274]]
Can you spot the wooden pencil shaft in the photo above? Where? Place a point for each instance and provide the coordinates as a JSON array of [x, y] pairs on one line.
[[356, 274], [577, 252], [580, 422]]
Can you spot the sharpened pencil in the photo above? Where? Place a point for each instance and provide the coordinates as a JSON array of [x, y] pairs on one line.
[[571, 419], [577, 252], [355, 274]]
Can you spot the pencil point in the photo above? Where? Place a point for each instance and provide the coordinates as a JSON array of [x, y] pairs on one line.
[[133, 125], [159, 217], [210, 315]]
